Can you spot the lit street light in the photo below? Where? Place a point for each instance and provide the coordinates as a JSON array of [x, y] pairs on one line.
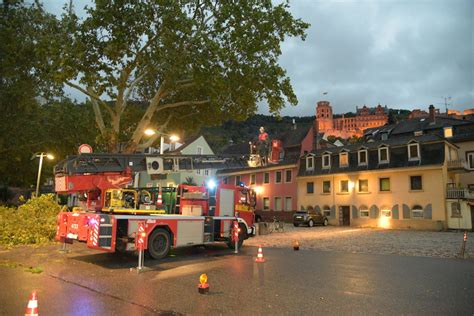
[[151, 132], [40, 156]]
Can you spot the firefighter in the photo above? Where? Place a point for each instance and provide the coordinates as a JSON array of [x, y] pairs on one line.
[[262, 146]]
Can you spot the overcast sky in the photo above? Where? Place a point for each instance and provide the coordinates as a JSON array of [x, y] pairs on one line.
[[400, 53]]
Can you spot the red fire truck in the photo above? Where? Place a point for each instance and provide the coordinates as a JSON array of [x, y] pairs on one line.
[[108, 221]]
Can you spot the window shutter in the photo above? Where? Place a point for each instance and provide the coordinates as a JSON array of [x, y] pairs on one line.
[[406, 211], [317, 208], [355, 212], [427, 212], [333, 211], [395, 211]]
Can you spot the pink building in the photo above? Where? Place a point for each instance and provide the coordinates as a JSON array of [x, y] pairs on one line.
[[275, 184]]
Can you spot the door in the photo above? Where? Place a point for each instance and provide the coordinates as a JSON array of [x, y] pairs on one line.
[[346, 215], [472, 218]]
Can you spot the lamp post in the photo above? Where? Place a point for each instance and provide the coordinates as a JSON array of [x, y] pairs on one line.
[[40, 156], [151, 132]]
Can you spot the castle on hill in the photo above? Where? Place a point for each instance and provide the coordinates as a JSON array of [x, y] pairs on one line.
[[348, 126]]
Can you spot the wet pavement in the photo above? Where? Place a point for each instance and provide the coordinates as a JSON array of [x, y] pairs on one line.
[[88, 282]]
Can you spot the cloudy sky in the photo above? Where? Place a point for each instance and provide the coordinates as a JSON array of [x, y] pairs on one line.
[[400, 53]]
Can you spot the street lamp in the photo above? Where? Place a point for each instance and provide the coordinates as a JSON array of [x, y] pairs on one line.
[[40, 156], [151, 132]]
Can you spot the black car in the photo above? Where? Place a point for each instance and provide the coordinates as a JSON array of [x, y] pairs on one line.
[[309, 218]]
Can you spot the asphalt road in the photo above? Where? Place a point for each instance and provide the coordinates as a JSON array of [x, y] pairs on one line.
[[86, 282]]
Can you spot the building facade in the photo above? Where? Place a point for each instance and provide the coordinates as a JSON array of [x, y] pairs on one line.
[[396, 183], [348, 126], [194, 146]]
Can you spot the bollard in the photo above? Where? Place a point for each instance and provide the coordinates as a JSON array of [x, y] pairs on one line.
[[463, 245], [140, 244], [236, 236]]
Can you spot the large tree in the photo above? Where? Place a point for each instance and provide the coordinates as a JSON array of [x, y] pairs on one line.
[[189, 62]]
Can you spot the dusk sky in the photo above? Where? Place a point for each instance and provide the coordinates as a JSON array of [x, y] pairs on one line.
[[403, 54]]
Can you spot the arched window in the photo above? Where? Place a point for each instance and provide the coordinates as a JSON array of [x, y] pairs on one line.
[[385, 211], [417, 212], [309, 208], [364, 211], [327, 210]]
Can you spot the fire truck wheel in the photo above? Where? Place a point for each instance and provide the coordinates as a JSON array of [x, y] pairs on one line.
[[159, 243]]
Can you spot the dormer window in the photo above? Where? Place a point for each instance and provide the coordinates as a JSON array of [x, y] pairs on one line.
[[344, 159], [448, 132], [384, 136], [362, 157], [326, 161], [383, 154], [414, 151], [418, 133], [310, 163]]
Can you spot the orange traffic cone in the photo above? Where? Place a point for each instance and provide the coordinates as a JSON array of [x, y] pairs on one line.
[[32, 308], [260, 255], [296, 245]]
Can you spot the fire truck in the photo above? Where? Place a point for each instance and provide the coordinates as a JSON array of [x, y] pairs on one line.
[[107, 209]]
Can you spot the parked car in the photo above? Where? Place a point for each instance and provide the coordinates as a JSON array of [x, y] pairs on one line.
[[310, 218]]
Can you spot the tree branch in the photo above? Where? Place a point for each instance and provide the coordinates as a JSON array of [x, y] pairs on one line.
[[177, 104], [159, 133], [90, 93]]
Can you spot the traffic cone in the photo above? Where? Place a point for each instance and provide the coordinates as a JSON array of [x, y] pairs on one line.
[[260, 258], [296, 245], [32, 308]]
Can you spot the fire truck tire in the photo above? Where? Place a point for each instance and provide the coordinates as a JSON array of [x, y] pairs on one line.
[[242, 237], [159, 244]]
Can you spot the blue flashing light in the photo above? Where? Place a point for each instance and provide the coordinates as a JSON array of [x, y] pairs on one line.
[[211, 184]]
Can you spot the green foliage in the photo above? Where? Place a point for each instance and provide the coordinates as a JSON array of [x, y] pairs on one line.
[[32, 223], [191, 62]]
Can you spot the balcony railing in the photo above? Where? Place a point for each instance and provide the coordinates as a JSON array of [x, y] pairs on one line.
[[459, 194], [459, 164]]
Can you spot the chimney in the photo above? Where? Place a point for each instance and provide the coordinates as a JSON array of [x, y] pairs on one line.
[[294, 124], [432, 113]]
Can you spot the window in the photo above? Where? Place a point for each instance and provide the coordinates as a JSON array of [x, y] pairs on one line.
[[470, 160], [326, 161], [384, 136], [266, 177], [199, 150], [414, 151], [344, 186], [266, 203], [362, 154], [415, 183], [278, 177], [237, 180], [386, 213], [363, 185], [343, 159], [448, 132], [206, 172], [198, 171], [225, 180], [384, 184], [364, 211], [310, 163], [278, 204], [253, 179], [383, 155], [309, 187], [288, 175], [456, 209], [326, 210], [417, 212], [288, 203], [327, 186]]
